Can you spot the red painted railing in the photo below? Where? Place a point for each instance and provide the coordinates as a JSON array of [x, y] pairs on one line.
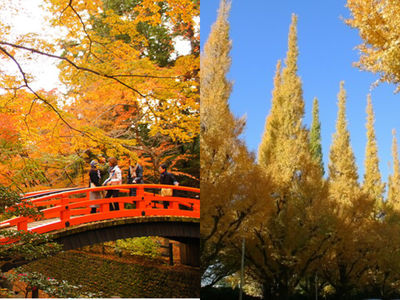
[[72, 207]]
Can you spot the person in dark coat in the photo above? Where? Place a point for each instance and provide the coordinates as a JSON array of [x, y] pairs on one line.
[[167, 177], [135, 176], [95, 176]]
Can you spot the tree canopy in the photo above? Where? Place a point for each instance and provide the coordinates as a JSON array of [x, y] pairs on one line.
[[377, 22], [130, 92]]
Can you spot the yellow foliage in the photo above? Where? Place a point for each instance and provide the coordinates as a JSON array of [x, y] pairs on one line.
[[394, 178], [372, 184], [343, 175], [378, 23]]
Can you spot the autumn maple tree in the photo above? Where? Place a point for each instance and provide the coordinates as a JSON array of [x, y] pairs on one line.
[[129, 90], [126, 83]]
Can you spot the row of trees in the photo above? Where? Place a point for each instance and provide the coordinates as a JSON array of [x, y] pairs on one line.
[[304, 234]]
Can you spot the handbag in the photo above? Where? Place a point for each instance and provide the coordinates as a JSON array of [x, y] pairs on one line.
[[165, 192]]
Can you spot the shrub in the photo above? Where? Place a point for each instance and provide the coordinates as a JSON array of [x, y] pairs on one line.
[[145, 246], [50, 286]]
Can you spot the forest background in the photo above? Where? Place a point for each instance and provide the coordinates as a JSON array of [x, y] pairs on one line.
[[307, 234], [125, 91]]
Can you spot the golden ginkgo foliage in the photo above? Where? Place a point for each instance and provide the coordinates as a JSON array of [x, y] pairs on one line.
[[378, 24], [394, 178], [372, 183], [230, 181], [343, 176]]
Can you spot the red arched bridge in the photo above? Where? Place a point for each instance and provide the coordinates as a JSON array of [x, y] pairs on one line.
[[66, 214]]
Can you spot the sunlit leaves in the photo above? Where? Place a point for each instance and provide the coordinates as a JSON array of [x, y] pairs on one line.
[[378, 24]]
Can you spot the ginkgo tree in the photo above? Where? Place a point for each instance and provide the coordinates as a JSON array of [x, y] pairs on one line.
[[306, 236], [378, 24], [230, 180]]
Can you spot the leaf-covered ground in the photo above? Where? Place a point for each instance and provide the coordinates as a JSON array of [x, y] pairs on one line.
[[116, 277]]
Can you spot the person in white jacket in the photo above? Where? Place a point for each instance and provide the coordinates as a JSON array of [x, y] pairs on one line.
[[115, 178]]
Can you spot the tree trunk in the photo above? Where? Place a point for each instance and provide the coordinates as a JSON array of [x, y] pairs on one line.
[[35, 292], [267, 291], [283, 291]]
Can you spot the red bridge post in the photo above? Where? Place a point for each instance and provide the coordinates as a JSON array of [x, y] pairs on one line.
[[140, 204], [65, 213], [23, 225]]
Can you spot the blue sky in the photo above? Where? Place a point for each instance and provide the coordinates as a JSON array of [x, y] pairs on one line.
[[259, 31]]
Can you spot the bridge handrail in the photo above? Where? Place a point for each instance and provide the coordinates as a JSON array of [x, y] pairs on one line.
[[47, 192], [114, 187], [145, 204]]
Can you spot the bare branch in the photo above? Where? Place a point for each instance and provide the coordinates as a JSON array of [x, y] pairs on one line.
[[37, 95], [33, 50]]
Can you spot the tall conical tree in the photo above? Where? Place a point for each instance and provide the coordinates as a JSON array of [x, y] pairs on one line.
[[291, 89], [271, 128], [372, 183], [315, 136], [342, 167], [215, 87], [284, 154], [394, 179], [225, 163], [284, 150]]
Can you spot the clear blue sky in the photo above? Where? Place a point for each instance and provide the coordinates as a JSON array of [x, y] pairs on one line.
[[259, 31]]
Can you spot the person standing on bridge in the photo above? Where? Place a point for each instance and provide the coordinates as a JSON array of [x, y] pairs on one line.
[[135, 176], [115, 178], [169, 179], [94, 175]]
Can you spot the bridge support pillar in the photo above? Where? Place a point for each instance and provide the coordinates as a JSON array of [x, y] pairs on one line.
[[190, 253]]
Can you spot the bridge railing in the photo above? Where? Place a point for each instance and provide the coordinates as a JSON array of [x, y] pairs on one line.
[[72, 207]]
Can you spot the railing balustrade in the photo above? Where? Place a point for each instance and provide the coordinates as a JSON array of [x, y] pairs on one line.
[[71, 207]]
